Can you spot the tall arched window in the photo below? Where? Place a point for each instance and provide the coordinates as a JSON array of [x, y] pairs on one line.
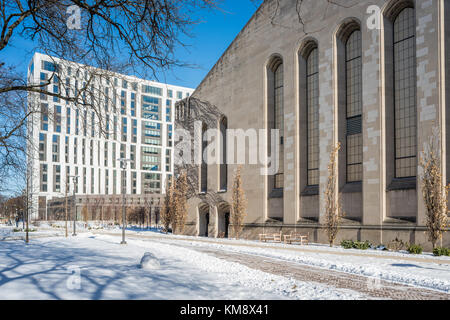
[[312, 93], [223, 149], [405, 126], [353, 77], [279, 121], [204, 166]]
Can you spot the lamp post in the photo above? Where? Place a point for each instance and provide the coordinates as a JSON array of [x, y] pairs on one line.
[[75, 182], [123, 165]]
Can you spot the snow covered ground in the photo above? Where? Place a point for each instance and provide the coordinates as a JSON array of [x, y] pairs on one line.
[[48, 268], [7, 232], [390, 266], [424, 270]]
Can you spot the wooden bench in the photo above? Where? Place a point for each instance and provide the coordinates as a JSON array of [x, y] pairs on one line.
[[295, 237], [276, 237]]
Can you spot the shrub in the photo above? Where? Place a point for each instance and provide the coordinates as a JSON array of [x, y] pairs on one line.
[[362, 245], [396, 245], [347, 244], [415, 249], [441, 251], [350, 244]]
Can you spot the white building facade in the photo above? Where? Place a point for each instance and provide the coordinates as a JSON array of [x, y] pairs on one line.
[[124, 117]]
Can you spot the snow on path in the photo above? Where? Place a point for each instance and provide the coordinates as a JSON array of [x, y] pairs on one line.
[[434, 276], [399, 267], [46, 268]]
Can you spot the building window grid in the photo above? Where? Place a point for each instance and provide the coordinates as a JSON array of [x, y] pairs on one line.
[[123, 102], [134, 182], [279, 123], [114, 159], [68, 125], [169, 135], [44, 178], [223, 164], [91, 152], [84, 180], [93, 124], [312, 98], [150, 108], [68, 120], [204, 165], [67, 149], [92, 180], [106, 181], [106, 154], [75, 153], [168, 160], [57, 185], [405, 94], [133, 156], [57, 118], [67, 179], [42, 147], [353, 67], [124, 129], [44, 116], [151, 183], [134, 131], [83, 151], [55, 148], [133, 104], [85, 123]]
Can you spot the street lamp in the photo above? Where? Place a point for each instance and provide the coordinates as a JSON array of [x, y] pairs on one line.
[[75, 181], [123, 165]]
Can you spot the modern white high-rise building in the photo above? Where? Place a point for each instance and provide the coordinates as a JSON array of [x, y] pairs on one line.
[[123, 117]]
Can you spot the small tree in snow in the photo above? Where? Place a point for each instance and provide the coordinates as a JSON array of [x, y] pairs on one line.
[[434, 191], [180, 202], [238, 203], [333, 205], [167, 208], [85, 214]]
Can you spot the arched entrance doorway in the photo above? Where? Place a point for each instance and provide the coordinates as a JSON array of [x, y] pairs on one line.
[[203, 220], [223, 220]]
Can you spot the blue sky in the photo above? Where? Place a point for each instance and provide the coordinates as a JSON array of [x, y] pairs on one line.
[[211, 38]]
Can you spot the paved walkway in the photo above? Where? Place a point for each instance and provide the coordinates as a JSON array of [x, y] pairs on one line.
[[372, 288], [295, 248]]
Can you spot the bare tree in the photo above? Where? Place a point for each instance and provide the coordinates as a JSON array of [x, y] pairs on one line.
[[147, 210], [137, 37], [96, 206], [333, 203], [434, 190], [238, 203], [305, 23], [180, 201], [167, 209], [85, 214], [108, 213]]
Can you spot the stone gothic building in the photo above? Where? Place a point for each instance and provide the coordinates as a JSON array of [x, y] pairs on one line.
[[372, 75]]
